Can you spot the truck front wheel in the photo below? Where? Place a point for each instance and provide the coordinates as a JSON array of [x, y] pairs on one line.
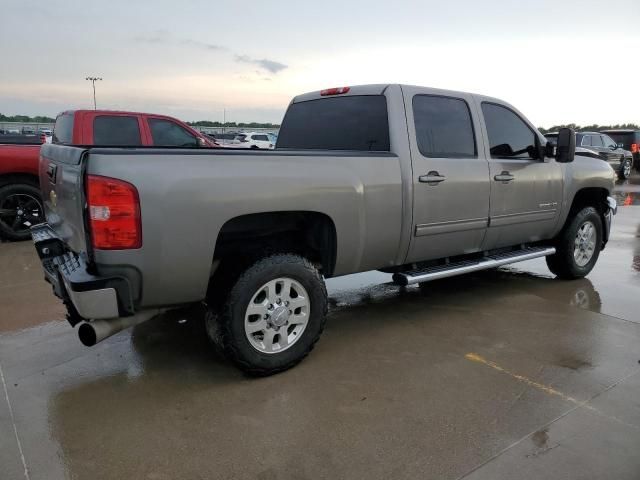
[[577, 246], [625, 169], [273, 315]]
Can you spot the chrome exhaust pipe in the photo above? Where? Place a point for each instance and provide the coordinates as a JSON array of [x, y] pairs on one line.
[[92, 332]]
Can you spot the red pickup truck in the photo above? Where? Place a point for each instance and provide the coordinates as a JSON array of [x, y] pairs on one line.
[[20, 203]]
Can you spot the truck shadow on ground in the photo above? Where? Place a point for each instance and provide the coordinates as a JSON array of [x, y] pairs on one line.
[[178, 339]]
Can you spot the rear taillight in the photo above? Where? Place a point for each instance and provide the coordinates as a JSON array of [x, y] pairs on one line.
[[114, 213], [635, 148], [334, 91]]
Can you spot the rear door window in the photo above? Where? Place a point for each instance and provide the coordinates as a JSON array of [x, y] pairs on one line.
[[509, 135], [166, 133], [357, 122], [262, 138], [443, 127], [116, 130]]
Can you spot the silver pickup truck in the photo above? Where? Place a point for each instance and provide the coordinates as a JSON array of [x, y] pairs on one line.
[[418, 182]]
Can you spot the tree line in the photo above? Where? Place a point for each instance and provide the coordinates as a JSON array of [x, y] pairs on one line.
[[26, 119], [590, 128], [208, 123]]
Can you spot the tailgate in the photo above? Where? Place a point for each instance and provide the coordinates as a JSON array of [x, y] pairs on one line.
[[61, 183]]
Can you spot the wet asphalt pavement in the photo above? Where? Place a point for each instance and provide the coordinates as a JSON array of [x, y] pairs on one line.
[[497, 375]]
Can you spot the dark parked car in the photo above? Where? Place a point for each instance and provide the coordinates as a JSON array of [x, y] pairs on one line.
[[620, 159], [630, 140]]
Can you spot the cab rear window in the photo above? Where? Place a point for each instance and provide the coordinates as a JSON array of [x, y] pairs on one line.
[[356, 122], [118, 130], [63, 129]]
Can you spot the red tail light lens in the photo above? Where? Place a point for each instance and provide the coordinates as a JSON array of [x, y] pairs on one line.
[[635, 148], [334, 91], [114, 213]]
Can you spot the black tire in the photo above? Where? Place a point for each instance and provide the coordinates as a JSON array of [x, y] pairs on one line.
[[14, 220], [563, 263], [624, 172], [226, 327]]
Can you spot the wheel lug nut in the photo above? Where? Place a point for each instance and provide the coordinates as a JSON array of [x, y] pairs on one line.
[[279, 301]]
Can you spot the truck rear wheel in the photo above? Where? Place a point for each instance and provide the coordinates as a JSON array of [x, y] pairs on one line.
[[20, 208], [577, 246], [273, 315]]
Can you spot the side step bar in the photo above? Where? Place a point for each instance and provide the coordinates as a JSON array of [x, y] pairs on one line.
[[467, 266]]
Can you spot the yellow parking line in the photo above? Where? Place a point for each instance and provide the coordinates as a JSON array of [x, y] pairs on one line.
[[474, 357]]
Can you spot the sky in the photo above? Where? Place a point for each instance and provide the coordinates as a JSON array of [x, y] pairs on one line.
[[556, 61]]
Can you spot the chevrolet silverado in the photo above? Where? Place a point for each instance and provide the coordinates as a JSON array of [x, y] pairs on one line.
[[418, 182]]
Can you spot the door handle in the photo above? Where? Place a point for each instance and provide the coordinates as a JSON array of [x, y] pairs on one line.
[[432, 178], [504, 177]]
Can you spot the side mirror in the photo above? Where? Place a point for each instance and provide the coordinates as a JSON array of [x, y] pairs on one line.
[[621, 145], [566, 146], [202, 142]]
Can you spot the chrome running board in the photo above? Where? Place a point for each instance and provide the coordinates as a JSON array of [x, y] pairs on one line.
[[467, 266]]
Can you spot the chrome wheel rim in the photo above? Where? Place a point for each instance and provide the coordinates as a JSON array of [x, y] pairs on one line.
[[20, 211], [277, 315], [626, 168], [584, 244]]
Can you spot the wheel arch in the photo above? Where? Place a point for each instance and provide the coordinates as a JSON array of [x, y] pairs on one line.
[[14, 178], [311, 234], [595, 197]]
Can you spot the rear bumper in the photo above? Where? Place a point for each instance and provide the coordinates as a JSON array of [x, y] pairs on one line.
[[94, 297]]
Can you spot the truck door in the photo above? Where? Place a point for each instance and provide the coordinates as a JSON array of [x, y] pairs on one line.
[[526, 192], [450, 175]]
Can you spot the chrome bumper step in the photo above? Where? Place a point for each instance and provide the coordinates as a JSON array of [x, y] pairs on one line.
[[467, 266]]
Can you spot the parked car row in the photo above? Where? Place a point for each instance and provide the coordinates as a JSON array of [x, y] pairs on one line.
[[620, 148], [25, 130]]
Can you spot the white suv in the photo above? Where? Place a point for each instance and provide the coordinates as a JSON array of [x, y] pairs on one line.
[[255, 140]]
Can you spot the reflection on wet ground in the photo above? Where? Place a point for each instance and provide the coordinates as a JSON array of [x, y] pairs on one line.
[[628, 192], [507, 373]]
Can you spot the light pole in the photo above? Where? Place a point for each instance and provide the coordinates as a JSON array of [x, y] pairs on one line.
[[93, 82]]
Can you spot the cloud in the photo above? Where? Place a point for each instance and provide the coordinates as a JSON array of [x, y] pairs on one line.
[[158, 36], [203, 45], [165, 37], [268, 65]]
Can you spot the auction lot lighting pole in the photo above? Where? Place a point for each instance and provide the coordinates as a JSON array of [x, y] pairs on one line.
[[93, 82]]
